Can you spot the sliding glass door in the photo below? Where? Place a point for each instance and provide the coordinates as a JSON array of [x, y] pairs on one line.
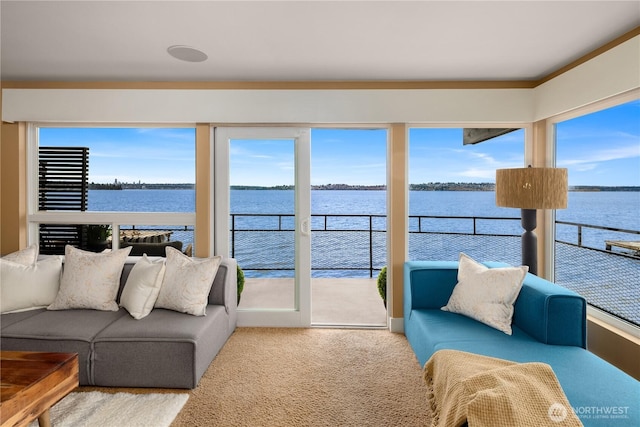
[[262, 218]]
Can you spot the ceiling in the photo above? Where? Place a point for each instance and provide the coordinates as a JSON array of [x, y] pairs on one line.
[[304, 40]]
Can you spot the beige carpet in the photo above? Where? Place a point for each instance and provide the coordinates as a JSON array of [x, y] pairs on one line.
[[310, 377], [268, 377]]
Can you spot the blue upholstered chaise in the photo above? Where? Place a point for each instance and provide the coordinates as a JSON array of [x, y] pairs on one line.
[[549, 325]]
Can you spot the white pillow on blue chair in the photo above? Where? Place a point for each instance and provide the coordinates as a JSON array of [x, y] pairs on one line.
[[486, 294]]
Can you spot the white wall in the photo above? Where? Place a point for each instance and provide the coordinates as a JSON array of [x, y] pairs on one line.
[[614, 72], [267, 106]]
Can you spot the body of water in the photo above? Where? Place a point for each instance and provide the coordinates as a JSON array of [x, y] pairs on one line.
[[605, 209]]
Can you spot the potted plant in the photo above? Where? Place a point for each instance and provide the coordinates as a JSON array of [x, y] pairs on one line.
[[98, 236], [240, 282], [382, 285]]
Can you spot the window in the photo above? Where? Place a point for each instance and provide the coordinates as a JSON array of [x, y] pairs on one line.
[[94, 182], [452, 199], [596, 241]]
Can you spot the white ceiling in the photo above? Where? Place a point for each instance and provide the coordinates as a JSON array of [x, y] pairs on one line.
[[304, 40]]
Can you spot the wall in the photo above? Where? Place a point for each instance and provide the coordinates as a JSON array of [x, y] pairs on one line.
[[13, 232], [268, 106], [616, 346], [614, 72]]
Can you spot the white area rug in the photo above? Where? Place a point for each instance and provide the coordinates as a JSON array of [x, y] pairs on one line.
[[96, 408]]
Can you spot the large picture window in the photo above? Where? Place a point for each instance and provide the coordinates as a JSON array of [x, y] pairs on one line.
[[597, 247], [452, 205], [94, 183]]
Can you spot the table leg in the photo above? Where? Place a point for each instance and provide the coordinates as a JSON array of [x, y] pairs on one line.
[[44, 420]]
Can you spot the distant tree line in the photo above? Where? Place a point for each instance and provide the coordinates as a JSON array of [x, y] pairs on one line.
[[603, 188], [430, 186], [453, 186], [258, 187], [140, 186]]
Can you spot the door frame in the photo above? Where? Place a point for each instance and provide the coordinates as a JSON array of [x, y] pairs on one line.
[[300, 315]]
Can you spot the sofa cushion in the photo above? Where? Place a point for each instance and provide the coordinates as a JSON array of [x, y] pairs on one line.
[[436, 327], [90, 280], [187, 283], [27, 287], [486, 294], [9, 319], [67, 331], [142, 287], [132, 352]]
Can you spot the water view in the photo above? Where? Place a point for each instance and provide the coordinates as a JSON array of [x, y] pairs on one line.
[[349, 239], [604, 209], [607, 209]]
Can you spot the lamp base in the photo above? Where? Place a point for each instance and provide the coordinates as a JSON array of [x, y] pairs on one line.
[[529, 240]]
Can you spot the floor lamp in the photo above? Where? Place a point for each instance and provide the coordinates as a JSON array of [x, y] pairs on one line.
[[530, 189]]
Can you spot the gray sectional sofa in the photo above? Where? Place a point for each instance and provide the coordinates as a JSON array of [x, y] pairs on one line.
[[166, 349]]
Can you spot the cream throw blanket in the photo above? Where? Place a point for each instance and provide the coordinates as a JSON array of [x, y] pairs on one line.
[[485, 391]]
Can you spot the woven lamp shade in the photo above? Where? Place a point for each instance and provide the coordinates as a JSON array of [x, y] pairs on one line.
[[532, 188]]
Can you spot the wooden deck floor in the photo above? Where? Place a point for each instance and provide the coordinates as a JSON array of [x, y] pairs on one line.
[[334, 301]]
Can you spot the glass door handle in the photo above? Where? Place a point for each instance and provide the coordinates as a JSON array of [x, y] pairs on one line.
[[304, 227]]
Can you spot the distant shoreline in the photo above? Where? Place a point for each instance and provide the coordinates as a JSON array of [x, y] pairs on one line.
[[432, 186]]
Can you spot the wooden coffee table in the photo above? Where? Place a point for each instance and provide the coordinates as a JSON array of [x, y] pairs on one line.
[[32, 382]]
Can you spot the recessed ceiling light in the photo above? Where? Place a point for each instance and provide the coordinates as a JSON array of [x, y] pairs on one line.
[[186, 53]]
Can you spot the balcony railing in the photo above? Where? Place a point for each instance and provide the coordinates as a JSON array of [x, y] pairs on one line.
[[352, 244], [355, 246], [586, 236], [607, 276]]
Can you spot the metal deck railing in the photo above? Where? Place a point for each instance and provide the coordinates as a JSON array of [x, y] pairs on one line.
[[355, 246], [608, 278]]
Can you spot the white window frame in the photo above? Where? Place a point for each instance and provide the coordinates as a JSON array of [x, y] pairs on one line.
[[300, 314], [35, 217]]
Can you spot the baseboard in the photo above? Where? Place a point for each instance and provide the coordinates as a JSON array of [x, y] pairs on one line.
[[396, 324]]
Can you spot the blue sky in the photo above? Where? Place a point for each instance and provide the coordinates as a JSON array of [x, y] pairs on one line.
[[602, 148], [162, 155], [438, 155]]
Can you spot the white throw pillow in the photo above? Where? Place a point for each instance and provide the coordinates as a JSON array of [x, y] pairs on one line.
[[26, 256], [486, 294], [143, 286], [187, 282], [27, 287], [90, 280]]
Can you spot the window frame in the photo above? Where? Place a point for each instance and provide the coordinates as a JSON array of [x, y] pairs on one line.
[[552, 122], [527, 157], [35, 217]]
